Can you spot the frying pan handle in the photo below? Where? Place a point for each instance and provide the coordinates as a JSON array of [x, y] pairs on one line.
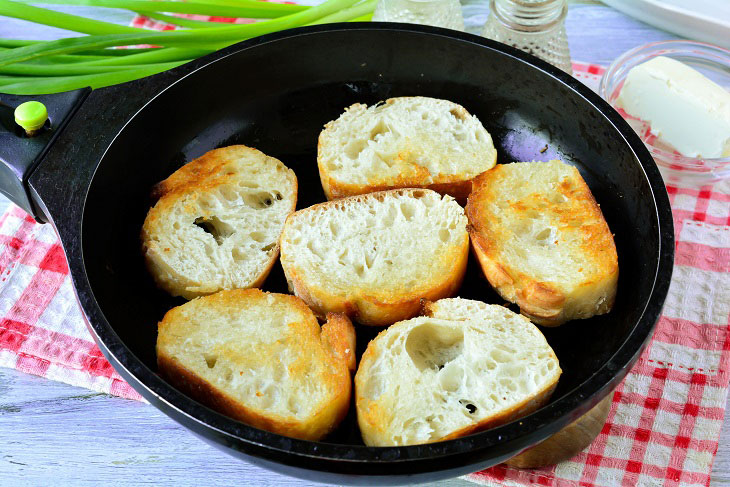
[[20, 153]]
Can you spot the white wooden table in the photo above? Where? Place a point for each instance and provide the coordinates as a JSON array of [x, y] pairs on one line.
[[55, 434]]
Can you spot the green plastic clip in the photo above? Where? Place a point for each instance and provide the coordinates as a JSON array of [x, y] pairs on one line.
[[31, 115]]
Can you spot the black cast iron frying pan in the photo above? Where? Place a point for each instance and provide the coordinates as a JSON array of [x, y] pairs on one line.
[[90, 174]]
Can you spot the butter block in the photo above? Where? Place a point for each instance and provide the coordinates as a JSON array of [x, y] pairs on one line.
[[685, 109]]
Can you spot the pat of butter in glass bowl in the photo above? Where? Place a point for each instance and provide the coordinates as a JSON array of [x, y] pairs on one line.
[[675, 95]]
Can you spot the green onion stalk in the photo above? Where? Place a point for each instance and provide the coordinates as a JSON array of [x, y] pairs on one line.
[[29, 67]]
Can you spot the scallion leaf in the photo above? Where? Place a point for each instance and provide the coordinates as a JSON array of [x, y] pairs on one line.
[[61, 20], [22, 69], [37, 67], [35, 86], [241, 8], [216, 36], [157, 55], [180, 21]]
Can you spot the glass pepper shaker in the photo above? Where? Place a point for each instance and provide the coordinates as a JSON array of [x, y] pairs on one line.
[[441, 13], [534, 26]]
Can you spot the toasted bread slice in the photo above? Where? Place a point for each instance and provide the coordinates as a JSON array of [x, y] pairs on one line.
[[542, 241], [466, 367], [405, 142], [217, 222], [375, 256], [261, 359]]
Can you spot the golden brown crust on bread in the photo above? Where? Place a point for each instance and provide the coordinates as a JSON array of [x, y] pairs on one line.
[[416, 378], [516, 412], [373, 419], [203, 174], [578, 226], [378, 307], [380, 310], [411, 154], [448, 184], [338, 335], [304, 338], [228, 193], [204, 392]]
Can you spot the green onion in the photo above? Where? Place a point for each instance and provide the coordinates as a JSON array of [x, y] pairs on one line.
[[37, 67], [61, 20], [241, 8], [76, 44], [71, 69], [221, 36], [113, 52], [65, 83], [16, 42], [92, 53], [158, 55], [233, 3], [6, 80], [182, 22], [12, 43], [68, 58], [352, 13]]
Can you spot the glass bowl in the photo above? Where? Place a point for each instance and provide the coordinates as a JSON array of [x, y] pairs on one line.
[[711, 61]]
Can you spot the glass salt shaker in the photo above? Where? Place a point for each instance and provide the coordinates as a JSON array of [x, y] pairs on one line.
[[534, 26], [441, 13]]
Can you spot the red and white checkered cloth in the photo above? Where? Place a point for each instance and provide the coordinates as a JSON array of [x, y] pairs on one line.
[[42, 330], [666, 416]]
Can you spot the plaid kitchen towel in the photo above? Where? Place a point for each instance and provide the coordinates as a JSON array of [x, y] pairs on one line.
[[42, 330], [666, 416]]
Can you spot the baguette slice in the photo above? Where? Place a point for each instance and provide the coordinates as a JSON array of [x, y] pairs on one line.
[[373, 257], [542, 241], [217, 222], [405, 142], [261, 359], [466, 367]]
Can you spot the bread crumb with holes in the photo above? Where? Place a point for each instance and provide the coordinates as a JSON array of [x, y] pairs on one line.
[[542, 241], [465, 367], [217, 221], [261, 358], [404, 142], [374, 256]]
